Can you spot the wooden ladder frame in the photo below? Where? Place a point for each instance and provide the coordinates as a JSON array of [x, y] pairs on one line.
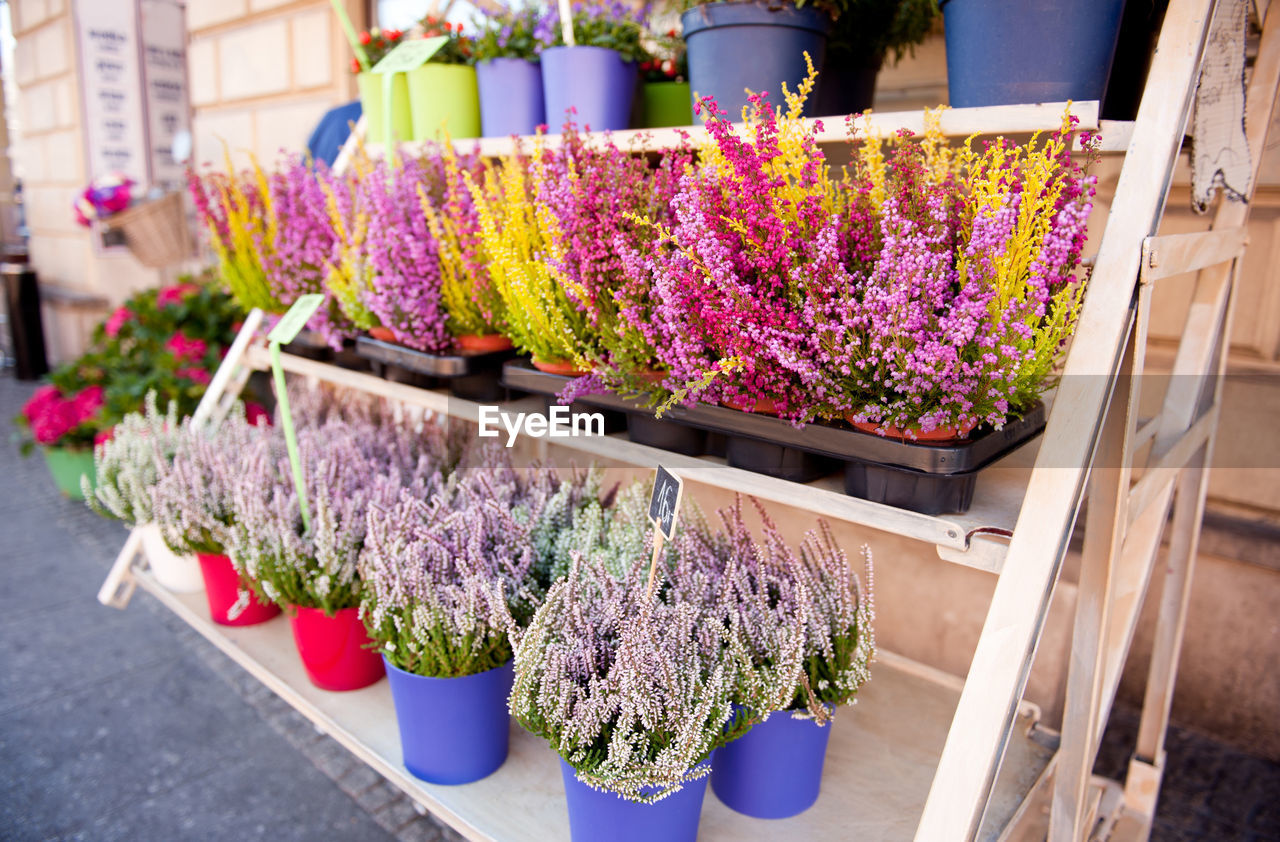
[[1095, 423]]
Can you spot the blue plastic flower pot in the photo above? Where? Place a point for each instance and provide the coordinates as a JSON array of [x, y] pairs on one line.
[[510, 97], [774, 770], [594, 81], [596, 816], [452, 730], [756, 45], [1001, 52]]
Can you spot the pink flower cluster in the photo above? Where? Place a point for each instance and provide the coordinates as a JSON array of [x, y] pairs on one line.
[[51, 415], [186, 348]]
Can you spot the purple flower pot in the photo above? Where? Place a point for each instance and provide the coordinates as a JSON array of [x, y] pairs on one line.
[[510, 97], [596, 816], [452, 730], [774, 770], [594, 81]]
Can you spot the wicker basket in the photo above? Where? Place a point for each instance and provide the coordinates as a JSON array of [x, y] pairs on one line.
[[156, 231]]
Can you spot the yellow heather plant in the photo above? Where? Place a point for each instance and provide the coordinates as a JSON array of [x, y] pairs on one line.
[[517, 233], [350, 277]]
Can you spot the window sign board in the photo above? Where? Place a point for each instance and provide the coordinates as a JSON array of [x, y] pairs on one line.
[[164, 73]]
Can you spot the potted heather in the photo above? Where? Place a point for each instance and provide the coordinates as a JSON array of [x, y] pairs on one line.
[[800, 623], [305, 561], [127, 467], [754, 45], [443, 93], [507, 70], [632, 691], [448, 583], [192, 505], [376, 43], [664, 73], [592, 82]]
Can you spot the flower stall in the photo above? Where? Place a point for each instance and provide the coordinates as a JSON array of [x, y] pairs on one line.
[[895, 324]]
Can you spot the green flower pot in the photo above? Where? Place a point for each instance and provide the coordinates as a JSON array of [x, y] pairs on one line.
[[444, 98], [66, 466], [371, 101], [667, 104]]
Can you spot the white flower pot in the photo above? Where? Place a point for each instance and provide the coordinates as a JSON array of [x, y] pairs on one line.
[[180, 574]]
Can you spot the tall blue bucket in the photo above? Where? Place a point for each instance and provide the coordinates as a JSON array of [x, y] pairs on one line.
[[596, 816], [774, 770]]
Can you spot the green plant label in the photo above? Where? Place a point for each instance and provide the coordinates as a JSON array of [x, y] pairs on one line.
[[410, 55], [664, 505], [292, 323]]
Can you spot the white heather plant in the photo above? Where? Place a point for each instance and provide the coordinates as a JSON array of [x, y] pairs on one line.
[[347, 467], [632, 691], [129, 464], [193, 493], [800, 620], [449, 581]]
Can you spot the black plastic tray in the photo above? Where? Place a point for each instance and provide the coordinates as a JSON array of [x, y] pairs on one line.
[[473, 376], [927, 478]]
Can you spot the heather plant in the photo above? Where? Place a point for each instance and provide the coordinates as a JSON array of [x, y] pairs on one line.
[[193, 496], [507, 32], [752, 265], [347, 468], [451, 580], [516, 231], [128, 465], [349, 276], [800, 620], [471, 299], [972, 293], [623, 685], [612, 24]]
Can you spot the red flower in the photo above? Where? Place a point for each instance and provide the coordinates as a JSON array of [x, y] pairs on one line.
[[671, 33], [365, 38], [395, 35], [355, 65], [104, 436], [44, 399], [195, 375], [174, 295], [431, 33], [117, 320], [87, 403], [431, 20], [185, 348], [256, 414]]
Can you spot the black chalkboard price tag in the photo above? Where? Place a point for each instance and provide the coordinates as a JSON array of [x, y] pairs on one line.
[[664, 509]]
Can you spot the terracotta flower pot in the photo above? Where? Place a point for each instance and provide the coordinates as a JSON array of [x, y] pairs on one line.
[[383, 334], [653, 376], [483, 343], [565, 368], [938, 435], [764, 406]]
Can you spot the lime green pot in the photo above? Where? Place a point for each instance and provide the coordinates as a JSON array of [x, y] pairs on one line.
[[371, 101], [444, 98], [667, 104], [66, 466]]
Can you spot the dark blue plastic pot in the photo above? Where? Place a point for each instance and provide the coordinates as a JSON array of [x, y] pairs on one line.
[[593, 80], [596, 816], [756, 45], [452, 730], [1001, 52], [510, 97], [774, 770]]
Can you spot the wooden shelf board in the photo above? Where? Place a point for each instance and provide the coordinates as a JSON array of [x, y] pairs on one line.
[[955, 122], [996, 503], [879, 767]]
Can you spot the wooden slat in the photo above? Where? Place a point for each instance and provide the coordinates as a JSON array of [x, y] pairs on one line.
[[955, 122], [1177, 254], [1162, 474], [1001, 662]]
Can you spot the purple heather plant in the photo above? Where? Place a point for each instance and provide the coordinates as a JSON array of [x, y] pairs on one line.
[[348, 467], [450, 580]]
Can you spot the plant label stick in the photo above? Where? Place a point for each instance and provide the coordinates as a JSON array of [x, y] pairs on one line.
[[664, 507], [405, 56], [285, 331], [566, 22], [350, 31]]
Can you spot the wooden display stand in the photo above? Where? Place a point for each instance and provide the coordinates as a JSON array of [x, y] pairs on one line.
[[925, 756]]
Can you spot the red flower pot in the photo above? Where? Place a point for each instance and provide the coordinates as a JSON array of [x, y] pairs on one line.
[[483, 343], [334, 649], [565, 368], [383, 334], [222, 589], [764, 406], [939, 435]]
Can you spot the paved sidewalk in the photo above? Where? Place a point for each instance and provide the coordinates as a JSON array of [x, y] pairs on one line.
[[128, 725]]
